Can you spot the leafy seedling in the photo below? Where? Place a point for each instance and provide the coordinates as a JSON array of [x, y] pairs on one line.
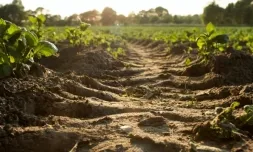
[[211, 42], [19, 47]]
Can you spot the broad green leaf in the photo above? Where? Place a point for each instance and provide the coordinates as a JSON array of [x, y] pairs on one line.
[[234, 105], [221, 48], [12, 59], [12, 29], [42, 18], [3, 27], [223, 38], [84, 26], [45, 48], [5, 70], [3, 58], [32, 19], [210, 28], [248, 109], [250, 119], [14, 37], [201, 43], [21, 45], [15, 54], [188, 34], [2, 22], [31, 39]]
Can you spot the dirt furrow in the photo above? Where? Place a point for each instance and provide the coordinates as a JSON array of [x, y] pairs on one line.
[[146, 101]]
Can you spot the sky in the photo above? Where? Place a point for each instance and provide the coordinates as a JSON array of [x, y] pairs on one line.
[[69, 7]]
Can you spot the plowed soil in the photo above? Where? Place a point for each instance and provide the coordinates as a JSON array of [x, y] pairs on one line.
[[147, 101]]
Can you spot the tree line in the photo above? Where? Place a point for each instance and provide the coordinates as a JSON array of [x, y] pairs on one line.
[[239, 13], [15, 12]]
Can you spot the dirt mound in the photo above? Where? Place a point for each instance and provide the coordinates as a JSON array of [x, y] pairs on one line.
[[16, 106], [91, 62], [178, 49], [235, 66], [45, 92], [196, 70], [24, 101]]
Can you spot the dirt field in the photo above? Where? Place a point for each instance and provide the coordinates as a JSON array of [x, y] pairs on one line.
[[148, 101]]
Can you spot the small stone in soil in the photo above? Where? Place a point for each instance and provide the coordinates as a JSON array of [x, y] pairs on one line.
[[126, 129], [153, 121]]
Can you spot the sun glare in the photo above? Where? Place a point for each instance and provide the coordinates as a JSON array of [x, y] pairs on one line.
[[66, 8]]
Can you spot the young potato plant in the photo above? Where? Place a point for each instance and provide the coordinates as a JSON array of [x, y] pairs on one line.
[[37, 23], [226, 125], [76, 36], [247, 118], [18, 48], [51, 35], [116, 52], [211, 42], [113, 44]]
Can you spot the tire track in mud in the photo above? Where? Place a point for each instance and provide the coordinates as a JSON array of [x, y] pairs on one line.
[[148, 105]]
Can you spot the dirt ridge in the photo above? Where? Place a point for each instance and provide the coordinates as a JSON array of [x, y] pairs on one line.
[[82, 106]]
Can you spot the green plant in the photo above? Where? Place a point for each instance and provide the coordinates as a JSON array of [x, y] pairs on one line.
[[50, 34], [227, 125], [116, 52], [191, 103], [211, 42], [37, 22], [18, 47], [247, 118], [76, 36], [187, 61]]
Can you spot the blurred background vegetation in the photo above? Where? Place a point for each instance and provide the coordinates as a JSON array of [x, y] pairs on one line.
[[235, 14]]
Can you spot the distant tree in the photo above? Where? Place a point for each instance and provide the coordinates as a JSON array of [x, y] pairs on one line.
[[132, 18], [239, 13], [91, 17], [108, 16], [73, 20], [13, 12], [39, 10], [18, 3], [213, 13], [53, 20], [153, 19], [229, 14], [196, 19], [30, 12], [142, 17], [248, 15], [242, 12], [122, 19], [161, 15], [166, 19], [177, 19], [144, 20], [161, 11]]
